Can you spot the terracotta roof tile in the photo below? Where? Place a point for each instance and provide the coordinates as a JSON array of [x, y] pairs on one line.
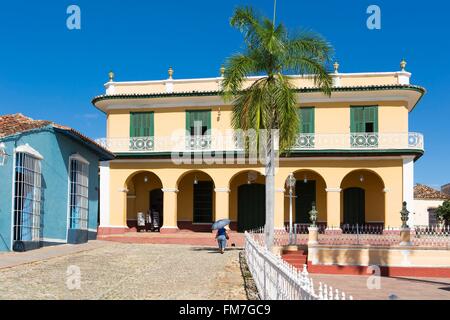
[[423, 192], [12, 124]]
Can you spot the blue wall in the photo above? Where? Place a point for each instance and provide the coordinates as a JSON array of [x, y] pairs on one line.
[[56, 148]]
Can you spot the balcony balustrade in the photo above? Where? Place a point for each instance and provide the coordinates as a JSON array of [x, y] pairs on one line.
[[235, 143]]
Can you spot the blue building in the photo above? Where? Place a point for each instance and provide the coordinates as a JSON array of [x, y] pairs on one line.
[[49, 184]]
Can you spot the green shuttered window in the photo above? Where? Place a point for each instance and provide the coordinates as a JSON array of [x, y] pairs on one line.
[[141, 124], [364, 119], [201, 118], [306, 116]]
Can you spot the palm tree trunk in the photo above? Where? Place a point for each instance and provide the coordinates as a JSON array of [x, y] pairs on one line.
[[270, 191]]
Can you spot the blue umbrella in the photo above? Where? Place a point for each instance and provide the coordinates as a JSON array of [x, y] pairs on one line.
[[221, 224]]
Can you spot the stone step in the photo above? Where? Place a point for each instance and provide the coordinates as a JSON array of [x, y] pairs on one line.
[[296, 261], [299, 252]]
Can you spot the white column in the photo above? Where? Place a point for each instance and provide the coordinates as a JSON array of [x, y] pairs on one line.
[[104, 193], [408, 187]]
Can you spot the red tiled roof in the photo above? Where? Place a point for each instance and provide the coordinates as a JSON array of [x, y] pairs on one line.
[[12, 124], [423, 192]]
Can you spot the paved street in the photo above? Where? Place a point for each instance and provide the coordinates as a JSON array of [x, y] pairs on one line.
[[111, 270], [127, 271]]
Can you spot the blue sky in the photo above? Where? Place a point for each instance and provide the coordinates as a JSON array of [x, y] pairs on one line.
[[50, 72]]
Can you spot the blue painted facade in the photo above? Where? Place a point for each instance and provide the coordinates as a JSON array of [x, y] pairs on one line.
[[56, 146]]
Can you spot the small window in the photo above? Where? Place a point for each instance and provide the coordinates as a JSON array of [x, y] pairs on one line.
[[198, 122], [370, 128], [79, 194], [27, 198]]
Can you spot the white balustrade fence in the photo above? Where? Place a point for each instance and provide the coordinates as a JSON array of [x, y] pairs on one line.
[[431, 236], [277, 280]]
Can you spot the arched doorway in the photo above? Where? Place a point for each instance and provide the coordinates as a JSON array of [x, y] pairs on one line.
[[354, 206], [362, 198], [310, 187], [196, 201], [157, 205], [144, 195], [247, 201], [251, 206]]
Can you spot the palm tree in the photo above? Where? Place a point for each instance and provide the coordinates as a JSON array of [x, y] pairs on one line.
[[270, 102]]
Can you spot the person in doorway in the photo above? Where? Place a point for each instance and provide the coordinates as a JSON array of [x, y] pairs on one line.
[[222, 237]]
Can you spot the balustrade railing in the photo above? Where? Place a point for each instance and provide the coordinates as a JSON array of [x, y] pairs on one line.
[[431, 236], [374, 235], [275, 279], [236, 142]]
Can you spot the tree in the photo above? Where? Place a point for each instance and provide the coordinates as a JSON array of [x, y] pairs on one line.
[[270, 102], [443, 212]]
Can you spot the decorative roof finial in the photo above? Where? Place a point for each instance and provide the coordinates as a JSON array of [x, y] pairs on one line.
[[170, 73], [111, 76], [403, 64], [222, 71], [336, 67]]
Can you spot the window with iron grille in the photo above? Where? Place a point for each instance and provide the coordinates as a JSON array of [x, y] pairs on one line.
[[79, 194], [27, 198]]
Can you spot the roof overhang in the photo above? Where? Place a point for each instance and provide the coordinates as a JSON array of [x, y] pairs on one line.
[[409, 94]]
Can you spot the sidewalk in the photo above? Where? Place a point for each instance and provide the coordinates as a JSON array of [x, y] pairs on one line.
[[13, 259], [400, 288]]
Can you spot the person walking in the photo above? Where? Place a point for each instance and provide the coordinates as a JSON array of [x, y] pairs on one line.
[[222, 237]]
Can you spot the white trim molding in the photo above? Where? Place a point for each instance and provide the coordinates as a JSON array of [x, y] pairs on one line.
[[280, 190], [333, 190], [26, 148], [225, 190], [409, 96], [114, 227], [54, 240], [78, 157]]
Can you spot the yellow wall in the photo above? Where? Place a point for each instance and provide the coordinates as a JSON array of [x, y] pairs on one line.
[[374, 193], [321, 195], [332, 171], [236, 182], [185, 199], [118, 124], [329, 118], [138, 197]]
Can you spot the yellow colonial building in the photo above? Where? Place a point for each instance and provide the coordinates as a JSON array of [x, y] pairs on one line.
[[177, 155]]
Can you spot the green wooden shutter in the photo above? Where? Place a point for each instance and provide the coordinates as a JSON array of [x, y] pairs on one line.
[[152, 124], [357, 123], [141, 124], [371, 115], [188, 122], [203, 116], [307, 120], [359, 116], [208, 119]]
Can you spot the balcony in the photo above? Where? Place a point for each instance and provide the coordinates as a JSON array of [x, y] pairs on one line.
[[234, 143]]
